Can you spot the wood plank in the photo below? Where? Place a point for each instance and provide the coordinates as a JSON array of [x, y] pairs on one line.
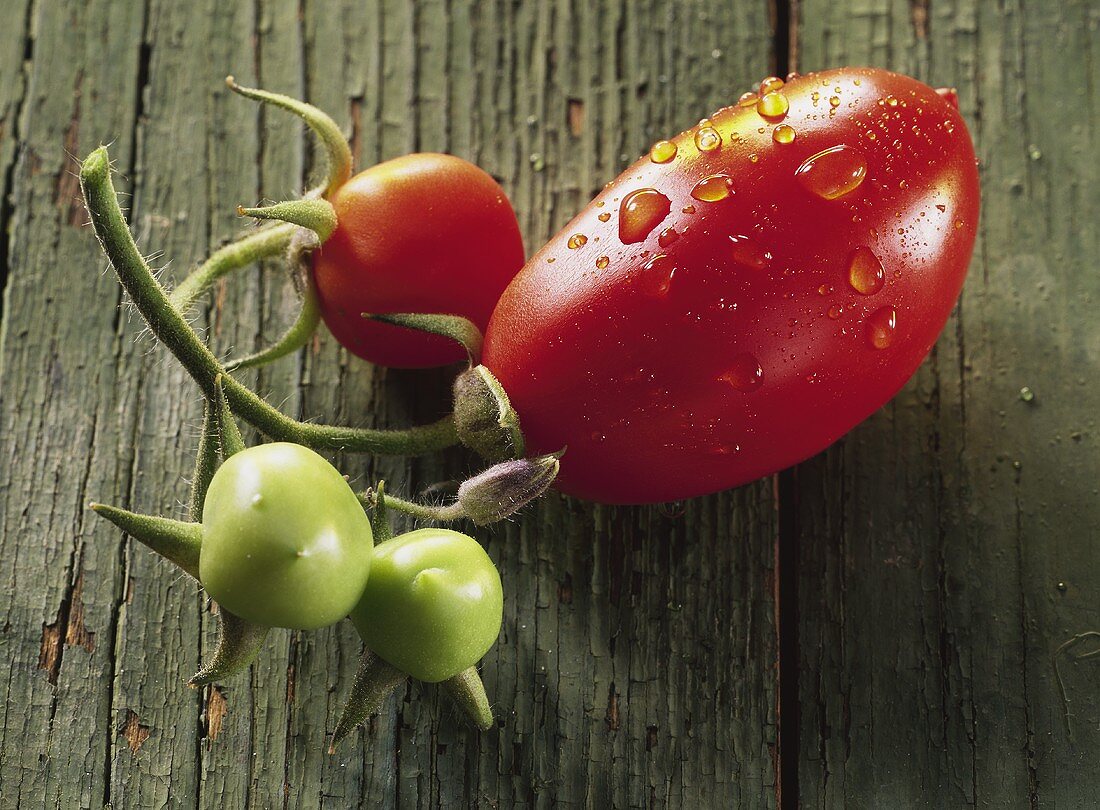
[[65, 417], [928, 621]]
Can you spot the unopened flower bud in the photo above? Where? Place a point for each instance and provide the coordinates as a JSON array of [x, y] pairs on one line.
[[505, 488]]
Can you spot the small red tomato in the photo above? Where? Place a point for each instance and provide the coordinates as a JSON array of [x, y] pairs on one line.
[[420, 233], [746, 293]]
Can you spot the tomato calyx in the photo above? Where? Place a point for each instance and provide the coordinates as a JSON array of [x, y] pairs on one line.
[[485, 420], [313, 213]]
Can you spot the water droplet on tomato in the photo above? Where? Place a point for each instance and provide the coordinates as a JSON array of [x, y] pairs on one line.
[[770, 84], [602, 262], [941, 208], [881, 325], [604, 217], [825, 289], [834, 101], [865, 272], [640, 212], [714, 188], [784, 133], [577, 240], [833, 172], [744, 373], [688, 209], [772, 106], [667, 237], [657, 275], [662, 152], [747, 99], [749, 253], [707, 139], [257, 499], [835, 311]]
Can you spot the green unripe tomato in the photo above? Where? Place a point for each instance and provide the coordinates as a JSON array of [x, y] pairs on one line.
[[433, 604], [285, 542]]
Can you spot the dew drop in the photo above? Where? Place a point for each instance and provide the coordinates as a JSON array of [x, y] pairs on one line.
[[657, 275], [747, 99], [604, 217], [640, 212], [941, 208], [714, 188], [881, 325], [825, 289], [834, 172], [834, 101], [773, 106], [865, 272], [688, 209], [744, 373], [602, 262], [835, 311], [707, 139], [770, 85], [749, 253], [667, 237], [662, 152], [784, 133], [577, 240]]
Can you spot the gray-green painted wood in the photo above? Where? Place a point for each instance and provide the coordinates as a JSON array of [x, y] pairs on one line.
[[933, 539]]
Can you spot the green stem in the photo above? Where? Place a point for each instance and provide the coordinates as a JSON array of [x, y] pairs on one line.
[[336, 145], [169, 326], [421, 511], [374, 681], [468, 692], [174, 540], [296, 336], [453, 327], [206, 463], [239, 642], [314, 213], [262, 244]]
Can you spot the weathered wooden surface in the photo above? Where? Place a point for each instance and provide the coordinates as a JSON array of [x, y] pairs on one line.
[[927, 567]]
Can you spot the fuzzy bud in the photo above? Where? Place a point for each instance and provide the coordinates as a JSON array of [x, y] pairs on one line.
[[505, 488]]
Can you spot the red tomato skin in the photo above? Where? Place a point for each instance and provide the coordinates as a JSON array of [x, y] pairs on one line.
[[649, 374], [421, 233]]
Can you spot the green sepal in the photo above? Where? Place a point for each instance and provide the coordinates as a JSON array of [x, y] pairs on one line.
[[484, 417], [174, 540], [336, 145], [461, 330], [239, 642], [468, 693], [314, 213], [374, 681], [296, 336]]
